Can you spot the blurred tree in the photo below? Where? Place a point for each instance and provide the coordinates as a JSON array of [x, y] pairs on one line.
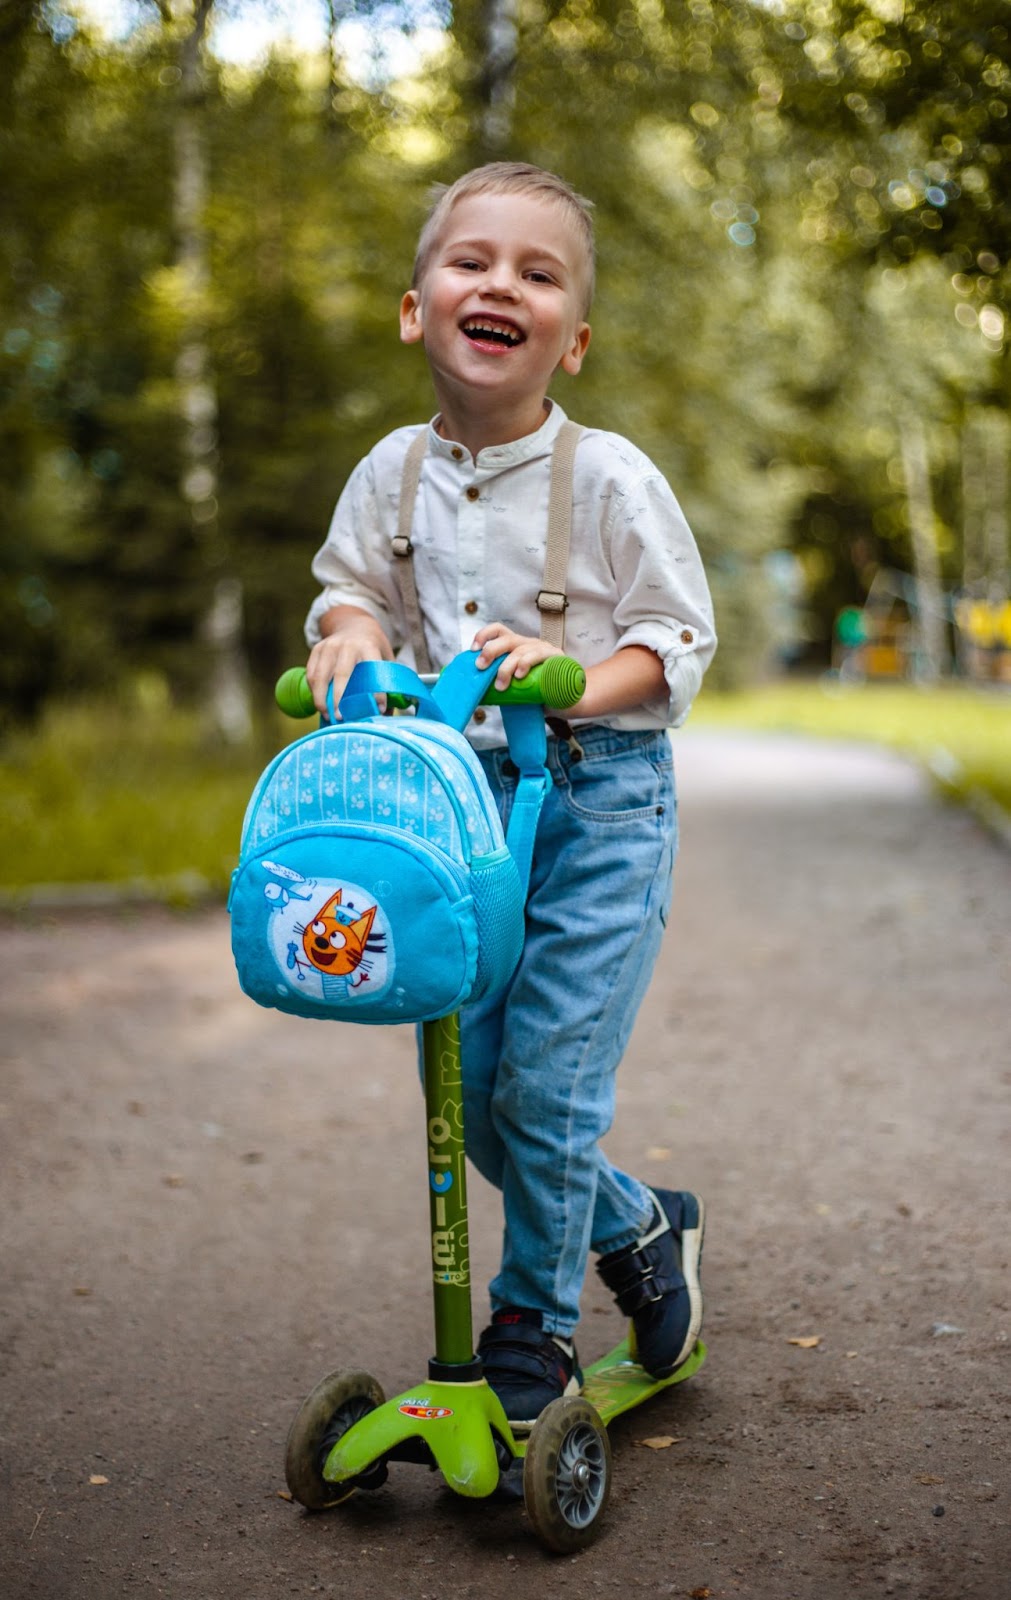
[[802, 216], [920, 89], [221, 632]]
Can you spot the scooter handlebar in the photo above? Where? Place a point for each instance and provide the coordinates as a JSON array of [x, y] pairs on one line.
[[557, 682], [293, 694]]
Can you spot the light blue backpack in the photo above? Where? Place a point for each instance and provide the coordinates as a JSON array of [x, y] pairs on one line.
[[374, 881]]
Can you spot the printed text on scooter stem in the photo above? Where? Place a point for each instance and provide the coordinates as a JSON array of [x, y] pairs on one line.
[[441, 1181]]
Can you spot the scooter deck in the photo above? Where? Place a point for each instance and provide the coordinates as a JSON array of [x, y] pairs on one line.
[[617, 1382]]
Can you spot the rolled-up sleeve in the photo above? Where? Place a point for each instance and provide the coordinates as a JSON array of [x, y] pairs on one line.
[[664, 601], [353, 564]]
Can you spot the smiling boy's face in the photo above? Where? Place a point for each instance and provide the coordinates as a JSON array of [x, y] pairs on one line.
[[499, 306]]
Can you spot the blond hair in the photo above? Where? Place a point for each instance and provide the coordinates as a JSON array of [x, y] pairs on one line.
[[509, 177]]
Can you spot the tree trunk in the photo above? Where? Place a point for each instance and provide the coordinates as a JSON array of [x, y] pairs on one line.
[[337, 11], [973, 503], [932, 653], [221, 630], [498, 89], [995, 517]]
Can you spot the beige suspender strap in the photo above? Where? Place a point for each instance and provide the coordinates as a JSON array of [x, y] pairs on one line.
[[403, 550], [552, 599]]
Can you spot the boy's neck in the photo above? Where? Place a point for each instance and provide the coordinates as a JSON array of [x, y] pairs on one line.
[[480, 429]]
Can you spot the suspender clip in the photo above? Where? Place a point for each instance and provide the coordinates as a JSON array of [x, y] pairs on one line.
[[401, 546], [563, 730], [552, 600]]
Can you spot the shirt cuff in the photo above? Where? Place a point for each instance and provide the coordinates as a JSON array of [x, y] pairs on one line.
[[341, 597], [683, 666]]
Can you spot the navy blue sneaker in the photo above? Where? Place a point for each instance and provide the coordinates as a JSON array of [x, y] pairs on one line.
[[655, 1281], [526, 1367]]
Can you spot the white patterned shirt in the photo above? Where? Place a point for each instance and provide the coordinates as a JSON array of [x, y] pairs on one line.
[[479, 535]]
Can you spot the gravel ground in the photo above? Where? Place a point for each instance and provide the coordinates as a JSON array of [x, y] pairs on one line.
[[204, 1206]]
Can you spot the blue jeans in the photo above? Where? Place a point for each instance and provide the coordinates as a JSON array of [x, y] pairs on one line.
[[539, 1061]]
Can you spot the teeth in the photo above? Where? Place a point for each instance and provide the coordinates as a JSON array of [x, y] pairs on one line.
[[492, 330]]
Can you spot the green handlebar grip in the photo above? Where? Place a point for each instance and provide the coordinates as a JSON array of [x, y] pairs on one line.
[[558, 682], [293, 694]]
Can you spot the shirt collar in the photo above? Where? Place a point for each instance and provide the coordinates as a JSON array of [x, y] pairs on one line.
[[539, 443]]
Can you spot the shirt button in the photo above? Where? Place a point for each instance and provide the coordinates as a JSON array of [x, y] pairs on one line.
[[687, 637], [480, 715], [457, 453], [471, 607], [473, 493]]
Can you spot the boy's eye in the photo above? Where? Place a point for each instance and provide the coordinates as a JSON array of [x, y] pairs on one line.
[[469, 266], [540, 277]]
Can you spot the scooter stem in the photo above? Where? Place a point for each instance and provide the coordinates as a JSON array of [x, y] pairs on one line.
[[454, 1329]]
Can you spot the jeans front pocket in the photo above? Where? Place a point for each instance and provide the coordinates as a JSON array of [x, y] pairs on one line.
[[620, 785]]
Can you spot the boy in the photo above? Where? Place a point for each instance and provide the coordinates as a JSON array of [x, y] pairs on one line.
[[502, 285]]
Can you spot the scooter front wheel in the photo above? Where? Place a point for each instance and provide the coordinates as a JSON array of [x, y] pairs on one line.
[[567, 1474], [338, 1401]]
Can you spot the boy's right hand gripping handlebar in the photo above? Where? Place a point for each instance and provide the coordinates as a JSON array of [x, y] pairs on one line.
[[557, 682]]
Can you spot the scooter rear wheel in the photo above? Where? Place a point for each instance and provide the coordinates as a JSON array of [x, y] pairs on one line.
[[338, 1401], [567, 1474]]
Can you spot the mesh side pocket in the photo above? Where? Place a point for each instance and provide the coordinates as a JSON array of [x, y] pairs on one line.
[[498, 909]]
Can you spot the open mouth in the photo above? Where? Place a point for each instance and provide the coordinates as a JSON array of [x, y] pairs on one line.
[[500, 333]]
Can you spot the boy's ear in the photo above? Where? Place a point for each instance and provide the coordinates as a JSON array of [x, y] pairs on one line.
[[410, 317], [572, 360]]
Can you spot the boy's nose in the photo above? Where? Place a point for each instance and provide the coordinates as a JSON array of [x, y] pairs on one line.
[[500, 285]]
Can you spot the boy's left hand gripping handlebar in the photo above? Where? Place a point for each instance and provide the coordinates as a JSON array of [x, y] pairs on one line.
[[557, 682]]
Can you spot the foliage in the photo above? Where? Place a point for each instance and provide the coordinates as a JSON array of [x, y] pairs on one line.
[[99, 793], [803, 221]]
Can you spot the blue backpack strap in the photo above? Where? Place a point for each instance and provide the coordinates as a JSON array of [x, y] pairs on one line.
[[459, 692], [528, 748], [371, 678], [461, 688]]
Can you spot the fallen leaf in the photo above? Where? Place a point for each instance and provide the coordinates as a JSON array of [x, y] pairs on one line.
[[82, 1290], [283, 1494], [96, 1477], [657, 1152], [851, 1353], [808, 1342], [823, 1210], [661, 1441], [173, 1180], [927, 1477], [701, 1594]]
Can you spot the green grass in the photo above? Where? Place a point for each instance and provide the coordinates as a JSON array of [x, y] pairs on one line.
[[932, 724], [100, 795], [97, 795]]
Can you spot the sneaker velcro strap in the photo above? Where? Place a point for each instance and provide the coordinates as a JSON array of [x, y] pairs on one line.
[[634, 1278], [517, 1348]]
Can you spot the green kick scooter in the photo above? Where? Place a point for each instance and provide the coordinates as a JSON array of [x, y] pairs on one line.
[[347, 1433]]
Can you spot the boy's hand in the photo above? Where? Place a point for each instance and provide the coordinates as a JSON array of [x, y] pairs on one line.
[[349, 636], [520, 652]]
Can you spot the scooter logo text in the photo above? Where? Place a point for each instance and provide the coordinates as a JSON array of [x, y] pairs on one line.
[[424, 1411]]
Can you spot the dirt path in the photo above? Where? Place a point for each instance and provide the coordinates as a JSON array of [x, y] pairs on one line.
[[204, 1206]]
